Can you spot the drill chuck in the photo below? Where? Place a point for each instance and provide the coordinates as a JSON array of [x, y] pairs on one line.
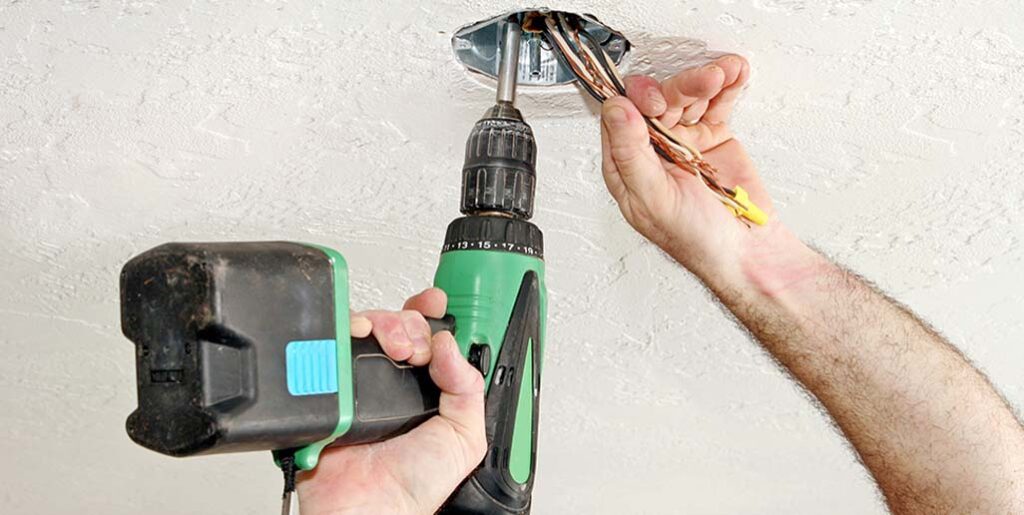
[[499, 172]]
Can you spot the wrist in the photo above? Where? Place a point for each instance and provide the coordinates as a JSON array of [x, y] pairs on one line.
[[767, 263]]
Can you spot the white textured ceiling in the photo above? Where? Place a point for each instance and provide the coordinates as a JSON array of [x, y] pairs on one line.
[[891, 133]]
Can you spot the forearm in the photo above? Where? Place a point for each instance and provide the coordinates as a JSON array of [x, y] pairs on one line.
[[931, 429]]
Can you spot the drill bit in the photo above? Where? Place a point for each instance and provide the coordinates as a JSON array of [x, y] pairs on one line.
[[508, 69]]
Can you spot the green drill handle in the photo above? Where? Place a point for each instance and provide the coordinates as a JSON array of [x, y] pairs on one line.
[[499, 301], [497, 304]]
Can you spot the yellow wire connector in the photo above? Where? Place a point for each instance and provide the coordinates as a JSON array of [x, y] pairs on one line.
[[747, 208]]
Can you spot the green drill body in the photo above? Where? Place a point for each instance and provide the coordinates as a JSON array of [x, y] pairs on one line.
[[246, 346], [482, 286]]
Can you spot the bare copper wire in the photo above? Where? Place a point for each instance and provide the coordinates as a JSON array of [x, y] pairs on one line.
[[597, 77]]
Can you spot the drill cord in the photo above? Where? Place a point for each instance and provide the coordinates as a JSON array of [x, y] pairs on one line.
[[288, 469]]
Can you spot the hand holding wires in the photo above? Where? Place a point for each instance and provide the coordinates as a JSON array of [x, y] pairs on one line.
[[599, 76]]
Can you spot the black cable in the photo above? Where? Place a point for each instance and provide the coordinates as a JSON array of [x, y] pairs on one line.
[[600, 55], [595, 48], [572, 45], [661, 153], [561, 31], [288, 469], [287, 462], [565, 61]]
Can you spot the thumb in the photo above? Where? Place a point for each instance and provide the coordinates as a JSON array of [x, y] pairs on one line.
[[462, 396], [629, 159]]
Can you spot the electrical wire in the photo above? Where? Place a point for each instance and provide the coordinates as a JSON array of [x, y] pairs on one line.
[[599, 77]]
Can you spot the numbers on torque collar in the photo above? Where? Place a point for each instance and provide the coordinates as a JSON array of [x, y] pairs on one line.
[[490, 245]]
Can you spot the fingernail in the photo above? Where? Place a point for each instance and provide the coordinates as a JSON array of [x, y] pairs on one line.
[[615, 115]]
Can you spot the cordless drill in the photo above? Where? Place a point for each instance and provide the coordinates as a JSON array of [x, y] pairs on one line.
[[246, 346]]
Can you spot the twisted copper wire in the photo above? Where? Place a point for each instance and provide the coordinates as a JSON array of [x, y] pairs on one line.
[[689, 161]]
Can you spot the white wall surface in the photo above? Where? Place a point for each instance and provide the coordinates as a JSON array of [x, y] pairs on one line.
[[890, 132]]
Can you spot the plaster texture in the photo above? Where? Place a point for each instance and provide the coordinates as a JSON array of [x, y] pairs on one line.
[[890, 132]]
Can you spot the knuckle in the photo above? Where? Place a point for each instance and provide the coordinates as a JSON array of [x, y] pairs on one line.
[[383, 320], [414, 320], [628, 155], [623, 152], [477, 384], [407, 314], [387, 327]]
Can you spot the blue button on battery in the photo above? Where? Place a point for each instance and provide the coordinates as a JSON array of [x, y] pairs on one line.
[[312, 367]]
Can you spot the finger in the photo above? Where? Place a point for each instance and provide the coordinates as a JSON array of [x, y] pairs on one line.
[[645, 92], [629, 153], [737, 72], [687, 87], [736, 169], [359, 326], [693, 113], [389, 329], [609, 171], [462, 389], [704, 136], [432, 302], [419, 333]]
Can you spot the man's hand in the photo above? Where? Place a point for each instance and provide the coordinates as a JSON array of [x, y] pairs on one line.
[[670, 207], [413, 473], [929, 427]]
